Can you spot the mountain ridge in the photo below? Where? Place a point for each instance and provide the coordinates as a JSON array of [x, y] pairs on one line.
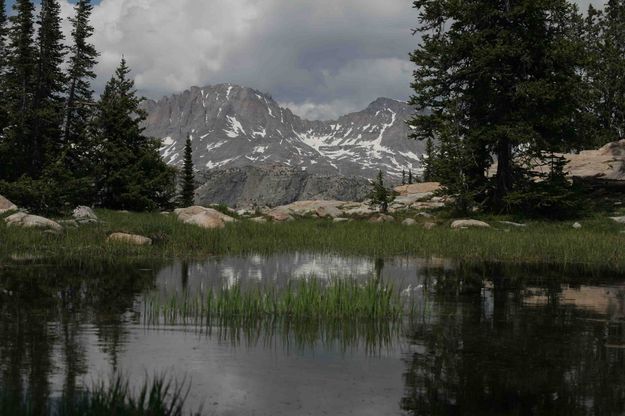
[[234, 126]]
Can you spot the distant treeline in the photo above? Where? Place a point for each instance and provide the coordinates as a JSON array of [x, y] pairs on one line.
[[515, 82], [59, 146]]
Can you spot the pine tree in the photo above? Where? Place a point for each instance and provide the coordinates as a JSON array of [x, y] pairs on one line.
[[131, 174], [380, 196], [50, 85], [403, 177], [187, 195], [410, 177], [3, 68], [17, 147], [605, 36], [79, 104], [497, 77], [429, 161]]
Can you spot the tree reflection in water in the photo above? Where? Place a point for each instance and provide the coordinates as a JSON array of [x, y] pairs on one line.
[[487, 351]]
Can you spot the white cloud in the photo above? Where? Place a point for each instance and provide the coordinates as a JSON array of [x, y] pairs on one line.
[[321, 57]]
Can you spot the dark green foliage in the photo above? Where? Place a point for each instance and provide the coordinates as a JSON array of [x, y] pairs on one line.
[[403, 177], [605, 38], [157, 398], [129, 170], [380, 196], [79, 104], [410, 177], [3, 67], [187, 195], [496, 78], [49, 88], [18, 87], [551, 195], [429, 174]]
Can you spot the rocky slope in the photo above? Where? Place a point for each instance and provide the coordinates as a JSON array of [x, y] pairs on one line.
[[232, 126], [275, 185]]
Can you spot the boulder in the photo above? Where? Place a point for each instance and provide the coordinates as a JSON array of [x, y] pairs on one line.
[[206, 220], [409, 222], [280, 215], [259, 220], [361, 210], [84, 215], [185, 214], [460, 224], [429, 225], [577, 226], [6, 205], [381, 218], [136, 240], [328, 211], [418, 188], [340, 220], [620, 220], [22, 219], [513, 224]]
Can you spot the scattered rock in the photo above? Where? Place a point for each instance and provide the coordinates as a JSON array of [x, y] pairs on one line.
[[132, 239], [69, 223], [340, 220], [165, 213], [84, 215], [381, 218], [513, 224], [459, 224], [620, 220], [425, 214], [206, 220], [328, 211], [22, 219], [6, 205], [429, 225], [577, 226], [360, 210], [418, 188], [280, 216], [259, 220], [188, 216], [409, 222]]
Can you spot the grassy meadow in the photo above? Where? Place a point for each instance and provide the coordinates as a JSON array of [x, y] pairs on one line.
[[598, 244]]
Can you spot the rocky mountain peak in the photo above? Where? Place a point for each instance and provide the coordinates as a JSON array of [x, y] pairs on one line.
[[234, 126]]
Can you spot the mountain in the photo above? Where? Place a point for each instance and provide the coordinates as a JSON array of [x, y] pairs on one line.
[[233, 126]]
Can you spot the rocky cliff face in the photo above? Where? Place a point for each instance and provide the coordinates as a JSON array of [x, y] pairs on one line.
[[232, 126], [275, 185]]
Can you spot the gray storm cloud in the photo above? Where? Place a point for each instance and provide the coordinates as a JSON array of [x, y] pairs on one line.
[[322, 58]]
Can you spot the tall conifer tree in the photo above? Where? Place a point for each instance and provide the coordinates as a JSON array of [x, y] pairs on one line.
[[187, 195], [129, 170], [3, 56], [50, 84], [17, 147], [498, 78], [79, 105]]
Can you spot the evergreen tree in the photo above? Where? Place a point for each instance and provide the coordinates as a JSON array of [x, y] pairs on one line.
[[3, 68], [403, 177], [381, 196], [497, 78], [129, 170], [17, 147], [187, 195], [410, 177], [79, 105], [50, 85], [429, 161], [605, 36]]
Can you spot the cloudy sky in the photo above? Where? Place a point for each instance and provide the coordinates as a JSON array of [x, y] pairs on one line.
[[321, 58]]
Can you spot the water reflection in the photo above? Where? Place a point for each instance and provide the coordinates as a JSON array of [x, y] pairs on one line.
[[487, 340]]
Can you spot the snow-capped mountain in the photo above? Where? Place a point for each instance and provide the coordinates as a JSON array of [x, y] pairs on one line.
[[233, 126]]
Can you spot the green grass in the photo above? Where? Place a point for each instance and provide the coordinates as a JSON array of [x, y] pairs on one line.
[[598, 244], [155, 398]]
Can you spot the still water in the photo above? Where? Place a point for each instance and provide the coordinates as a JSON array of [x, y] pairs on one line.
[[494, 341]]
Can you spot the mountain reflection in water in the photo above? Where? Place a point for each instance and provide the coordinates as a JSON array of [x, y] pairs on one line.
[[487, 340]]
